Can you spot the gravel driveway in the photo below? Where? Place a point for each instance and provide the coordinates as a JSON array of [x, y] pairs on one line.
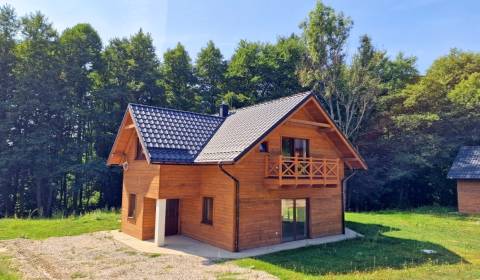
[[99, 256]]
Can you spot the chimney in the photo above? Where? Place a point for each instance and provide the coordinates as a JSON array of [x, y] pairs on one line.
[[223, 110]]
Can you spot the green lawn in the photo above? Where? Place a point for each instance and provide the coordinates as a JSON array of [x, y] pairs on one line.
[[44, 228], [391, 249]]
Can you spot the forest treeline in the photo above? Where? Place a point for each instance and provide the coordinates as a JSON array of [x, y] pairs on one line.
[[63, 95]]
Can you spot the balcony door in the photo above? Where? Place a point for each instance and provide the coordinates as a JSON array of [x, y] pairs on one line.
[[292, 147], [294, 219], [295, 147]]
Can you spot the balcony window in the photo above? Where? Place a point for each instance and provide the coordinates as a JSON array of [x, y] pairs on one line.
[[295, 147]]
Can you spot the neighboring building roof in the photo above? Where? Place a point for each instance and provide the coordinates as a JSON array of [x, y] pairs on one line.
[[466, 164], [173, 136], [245, 126]]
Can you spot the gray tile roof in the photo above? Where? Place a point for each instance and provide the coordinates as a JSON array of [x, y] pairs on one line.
[[173, 136], [245, 126], [466, 164]]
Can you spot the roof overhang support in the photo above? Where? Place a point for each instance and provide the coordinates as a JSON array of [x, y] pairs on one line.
[[310, 123]]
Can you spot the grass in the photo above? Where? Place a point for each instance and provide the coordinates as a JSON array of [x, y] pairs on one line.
[[44, 228], [391, 249], [7, 272], [78, 274], [228, 276]]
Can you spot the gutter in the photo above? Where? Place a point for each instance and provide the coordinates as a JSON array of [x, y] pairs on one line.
[[237, 205], [344, 196]]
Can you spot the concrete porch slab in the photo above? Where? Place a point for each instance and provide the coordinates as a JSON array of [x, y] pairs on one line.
[[182, 245]]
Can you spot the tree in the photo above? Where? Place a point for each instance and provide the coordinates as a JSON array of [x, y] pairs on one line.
[[210, 68], [258, 72], [356, 102], [81, 49], [467, 92], [39, 110], [9, 27], [325, 34], [178, 79]]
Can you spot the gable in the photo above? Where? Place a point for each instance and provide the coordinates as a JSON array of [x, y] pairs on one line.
[[312, 116], [126, 131]]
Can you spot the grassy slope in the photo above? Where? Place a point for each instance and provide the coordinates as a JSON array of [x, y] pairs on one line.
[[44, 228], [391, 249]]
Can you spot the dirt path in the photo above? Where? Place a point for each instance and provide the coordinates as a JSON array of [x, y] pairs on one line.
[[99, 256]]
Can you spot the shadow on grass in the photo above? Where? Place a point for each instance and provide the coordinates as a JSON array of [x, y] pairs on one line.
[[374, 251]]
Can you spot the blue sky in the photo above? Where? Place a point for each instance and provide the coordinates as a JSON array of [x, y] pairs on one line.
[[423, 28]]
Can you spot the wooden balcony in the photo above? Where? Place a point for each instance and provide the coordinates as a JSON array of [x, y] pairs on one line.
[[281, 171]]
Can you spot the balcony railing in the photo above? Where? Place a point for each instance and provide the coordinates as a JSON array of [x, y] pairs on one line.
[[301, 170]]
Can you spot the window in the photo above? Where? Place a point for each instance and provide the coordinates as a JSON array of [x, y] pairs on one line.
[[294, 147], [132, 205], [264, 147], [207, 212], [139, 155]]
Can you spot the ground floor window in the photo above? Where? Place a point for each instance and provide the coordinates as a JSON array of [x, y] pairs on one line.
[[207, 211], [132, 205], [294, 219]]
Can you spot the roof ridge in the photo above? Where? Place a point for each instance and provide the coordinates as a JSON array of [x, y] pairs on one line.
[[175, 110], [307, 93]]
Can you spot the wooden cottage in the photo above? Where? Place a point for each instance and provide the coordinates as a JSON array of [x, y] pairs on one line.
[[260, 175], [466, 170]]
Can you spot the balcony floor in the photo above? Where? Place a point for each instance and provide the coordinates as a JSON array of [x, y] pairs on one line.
[[276, 183]]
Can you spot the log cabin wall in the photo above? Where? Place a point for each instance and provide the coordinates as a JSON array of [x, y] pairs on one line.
[[142, 180], [190, 184], [468, 196], [260, 208]]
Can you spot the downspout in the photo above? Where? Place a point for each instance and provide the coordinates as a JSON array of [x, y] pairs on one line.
[[344, 196], [237, 205]]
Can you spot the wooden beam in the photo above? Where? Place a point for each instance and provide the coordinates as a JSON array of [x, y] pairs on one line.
[[326, 129], [350, 159], [130, 126], [297, 121]]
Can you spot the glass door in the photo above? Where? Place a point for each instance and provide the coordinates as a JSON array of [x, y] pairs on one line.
[[288, 221], [301, 222], [294, 219]]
